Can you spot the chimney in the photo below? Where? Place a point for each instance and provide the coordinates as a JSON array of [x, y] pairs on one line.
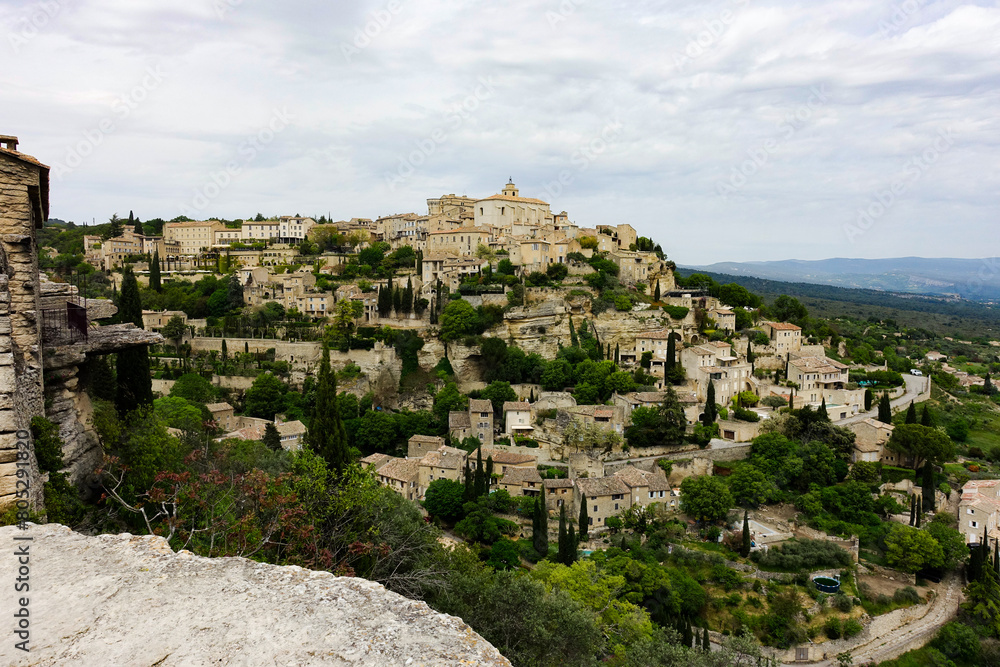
[[9, 142]]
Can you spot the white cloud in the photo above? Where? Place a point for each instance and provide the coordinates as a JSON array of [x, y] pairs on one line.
[[698, 90]]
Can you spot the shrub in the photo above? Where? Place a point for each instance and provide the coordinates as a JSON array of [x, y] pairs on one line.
[[676, 312], [852, 628], [906, 595], [841, 603], [833, 627], [745, 415], [803, 554]]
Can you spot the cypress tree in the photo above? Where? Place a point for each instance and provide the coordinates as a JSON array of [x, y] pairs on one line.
[[272, 439], [791, 398], [988, 387], [617, 355], [540, 533], [671, 359], [745, 545], [996, 557], [154, 272], [101, 379], [656, 291], [916, 522], [926, 418], [823, 414], [327, 436], [869, 399], [246, 347], [928, 487], [913, 508], [751, 357], [563, 554], [584, 520], [571, 541], [911, 414], [134, 386], [688, 637], [711, 412], [397, 300], [884, 409], [479, 482], [573, 340], [531, 395], [489, 473], [408, 297], [467, 496], [135, 224], [705, 645]]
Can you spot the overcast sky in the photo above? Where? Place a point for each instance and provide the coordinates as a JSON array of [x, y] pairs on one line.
[[725, 130]]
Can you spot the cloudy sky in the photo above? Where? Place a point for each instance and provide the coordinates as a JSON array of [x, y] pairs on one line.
[[725, 130]]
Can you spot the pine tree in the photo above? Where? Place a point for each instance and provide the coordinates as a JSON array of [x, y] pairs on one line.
[[656, 292], [926, 418], [135, 386], [584, 520], [563, 554], [911, 414], [271, 437], [573, 340], [327, 436], [884, 409], [745, 545], [540, 527], [154, 272]]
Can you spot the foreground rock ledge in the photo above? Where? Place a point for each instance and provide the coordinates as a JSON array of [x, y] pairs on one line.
[[129, 600]]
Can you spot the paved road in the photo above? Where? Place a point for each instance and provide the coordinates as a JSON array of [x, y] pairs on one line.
[[911, 635], [914, 387]]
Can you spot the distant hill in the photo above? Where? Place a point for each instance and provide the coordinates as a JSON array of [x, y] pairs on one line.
[[973, 279]]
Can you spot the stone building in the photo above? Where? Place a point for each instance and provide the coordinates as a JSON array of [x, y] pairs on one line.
[[785, 337], [509, 210], [979, 511], [477, 422]]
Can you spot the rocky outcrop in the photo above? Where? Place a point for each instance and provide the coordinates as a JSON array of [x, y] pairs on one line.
[[127, 600]]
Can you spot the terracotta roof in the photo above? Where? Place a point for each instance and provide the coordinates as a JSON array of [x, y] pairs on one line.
[[505, 457], [783, 326], [867, 447], [604, 413], [601, 486], [518, 476], [405, 470], [516, 405], [557, 483], [218, 407], [523, 200], [459, 420], [635, 477], [480, 405]]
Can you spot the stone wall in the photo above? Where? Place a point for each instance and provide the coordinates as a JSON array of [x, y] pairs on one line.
[[231, 611]]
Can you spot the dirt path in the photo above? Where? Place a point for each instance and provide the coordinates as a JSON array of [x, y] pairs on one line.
[[911, 635]]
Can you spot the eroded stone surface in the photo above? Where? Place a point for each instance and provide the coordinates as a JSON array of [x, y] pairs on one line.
[[128, 600]]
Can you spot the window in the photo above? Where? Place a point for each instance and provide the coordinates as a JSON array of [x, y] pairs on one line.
[[974, 524], [616, 506], [595, 508], [970, 511], [802, 653]]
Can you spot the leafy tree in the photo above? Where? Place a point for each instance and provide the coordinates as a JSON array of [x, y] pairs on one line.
[[116, 227], [265, 397], [504, 555], [327, 436], [557, 375], [234, 293], [497, 393], [193, 387], [457, 320], [444, 499], [174, 329], [954, 549], [272, 439], [958, 641], [909, 549], [958, 429], [178, 413], [154, 272], [135, 387], [788, 308], [376, 433], [922, 443], [749, 486], [706, 498]]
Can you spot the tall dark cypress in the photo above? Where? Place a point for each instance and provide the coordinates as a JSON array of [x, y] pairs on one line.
[[656, 292], [869, 399], [913, 509], [911, 414], [884, 409], [572, 542], [584, 520], [468, 495], [671, 359], [540, 534], [479, 483], [327, 435], [573, 340], [745, 545], [705, 645], [916, 522], [134, 386], [926, 418], [927, 488], [489, 473], [711, 412], [563, 554], [154, 272], [617, 355], [823, 414]]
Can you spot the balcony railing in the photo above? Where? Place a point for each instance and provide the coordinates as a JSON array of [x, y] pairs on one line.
[[64, 326]]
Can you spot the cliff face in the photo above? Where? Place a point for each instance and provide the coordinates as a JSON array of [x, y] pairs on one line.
[[127, 600]]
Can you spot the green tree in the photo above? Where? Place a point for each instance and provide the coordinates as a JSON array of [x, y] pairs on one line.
[[958, 642], [265, 397], [271, 438], [540, 526], [154, 272], [504, 555], [174, 330], [656, 292], [135, 387], [788, 308], [234, 293], [911, 414], [194, 388], [926, 418], [498, 392], [705, 498], [921, 443], [909, 549], [376, 433], [584, 522], [327, 436], [711, 411], [869, 399], [457, 320], [178, 413], [444, 499], [954, 549], [563, 555], [749, 486], [116, 227], [745, 544], [884, 409]]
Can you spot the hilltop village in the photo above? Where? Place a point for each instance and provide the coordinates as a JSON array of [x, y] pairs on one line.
[[489, 400]]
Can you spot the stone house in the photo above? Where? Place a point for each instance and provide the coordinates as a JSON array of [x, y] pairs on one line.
[[441, 463], [517, 418], [612, 238], [521, 481], [292, 229], [192, 238], [653, 341], [460, 242], [154, 320], [816, 376], [477, 422], [635, 267], [508, 210], [504, 460], [402, 476], [607, 417], [264, 230], [979, 511], [645, 487], [870, 436], [292, 434], [418, 445], [223, 415], [605, 497], [725, 319], [785, 337], [559, 492], [715, 362]]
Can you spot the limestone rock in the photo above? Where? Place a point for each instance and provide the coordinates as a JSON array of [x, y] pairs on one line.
[[127, 600]]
